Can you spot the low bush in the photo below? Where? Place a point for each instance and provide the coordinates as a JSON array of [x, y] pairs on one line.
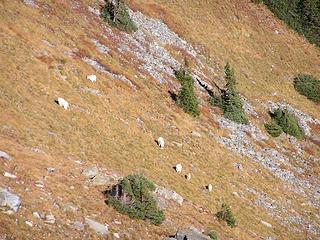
[[226, 215], [230, 101], [186, 98], [273, 129], [288, 123], [308, 86], [133, 197], [115, 12]]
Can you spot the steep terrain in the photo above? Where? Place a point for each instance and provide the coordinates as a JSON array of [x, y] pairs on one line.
[[48, 48]]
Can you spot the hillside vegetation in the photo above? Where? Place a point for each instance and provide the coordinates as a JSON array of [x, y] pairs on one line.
[[124, 91], [302, 15]]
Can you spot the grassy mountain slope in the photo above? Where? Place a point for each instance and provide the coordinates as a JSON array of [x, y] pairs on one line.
[[116, 128]]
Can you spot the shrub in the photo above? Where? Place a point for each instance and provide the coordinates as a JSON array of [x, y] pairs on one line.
[[186, 98], [273, 129], [230, 101], [115, 12], [308, 86], [226, 215], [287, 122], [133, 197], [213, 235], [301, 15]]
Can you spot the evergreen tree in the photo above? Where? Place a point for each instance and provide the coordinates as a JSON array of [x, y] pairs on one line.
[[186, 97], [230, 101]]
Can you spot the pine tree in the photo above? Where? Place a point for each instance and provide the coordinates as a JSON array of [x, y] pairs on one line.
[[230, 101]]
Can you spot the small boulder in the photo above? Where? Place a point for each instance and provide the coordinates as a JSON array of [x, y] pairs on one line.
[[9, 201], [78, 226], [97, 227], [90, 172], [103, 179], [195, 134], [5, 156], [268, 225], [70, 208], [50, 219], [9, 175], [191, 234], [169, 195], [92, 78]]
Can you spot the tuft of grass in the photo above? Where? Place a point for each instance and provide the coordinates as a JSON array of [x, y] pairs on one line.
[[230, 101], [116, 14], [225, 214], [186, 98], [212, 235], [308, 86], [133, 197], [287, 122]]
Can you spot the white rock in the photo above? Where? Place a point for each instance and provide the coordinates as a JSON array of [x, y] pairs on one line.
[[116, 235], [195, 134], [92, 78], [63, 103], [5, 155], [36, 215], [97, 227], [29, 223], [50, 219], [266, 224], [9, 175]]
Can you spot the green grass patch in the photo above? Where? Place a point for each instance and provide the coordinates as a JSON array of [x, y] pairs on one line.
[[308, 86]]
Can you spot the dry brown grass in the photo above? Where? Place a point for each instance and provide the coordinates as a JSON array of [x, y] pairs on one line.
[[103, 130]]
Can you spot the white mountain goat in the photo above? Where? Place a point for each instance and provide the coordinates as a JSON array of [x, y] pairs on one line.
[[178, 168], [63, 103], [92, 78], [209, 187], [188, 176], [160, 142]]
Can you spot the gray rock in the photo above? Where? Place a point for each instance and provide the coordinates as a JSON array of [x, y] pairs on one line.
[[266, 224], [30, 3], [36, 215], [97, 227], [5, 155], [9, 201], [90, 172], [191, 234], [195, 134], [103, 179], [70, 208], [50, 219], [169, 194], [51, 170], [78, 226]]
